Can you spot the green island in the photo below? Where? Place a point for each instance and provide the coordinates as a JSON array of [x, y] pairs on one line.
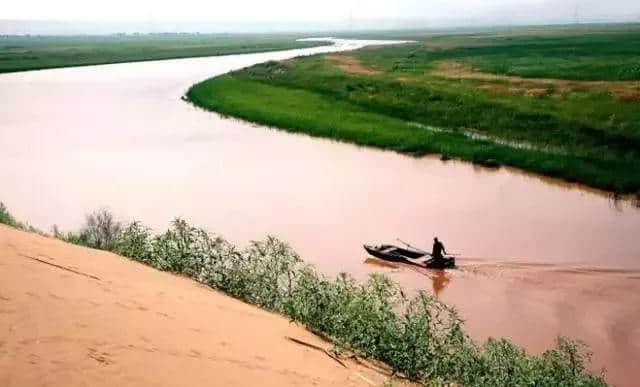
[[557, 101], [421, 338], [34, 52]]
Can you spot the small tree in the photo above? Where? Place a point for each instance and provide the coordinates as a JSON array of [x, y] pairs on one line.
[[101, 230]]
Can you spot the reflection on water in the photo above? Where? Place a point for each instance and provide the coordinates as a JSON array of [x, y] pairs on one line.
[[381, 263], [440, 280]]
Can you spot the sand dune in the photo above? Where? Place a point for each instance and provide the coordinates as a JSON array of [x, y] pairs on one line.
[[71, 316]]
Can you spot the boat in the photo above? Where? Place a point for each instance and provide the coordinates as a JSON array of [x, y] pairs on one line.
[[393, 253], [407, 255], [446, 263]]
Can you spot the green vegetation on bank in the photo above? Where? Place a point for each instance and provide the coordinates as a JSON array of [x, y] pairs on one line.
[[9, 220], [456, 95], [586, 53], [420, 337], [20, 53], [584, 58]]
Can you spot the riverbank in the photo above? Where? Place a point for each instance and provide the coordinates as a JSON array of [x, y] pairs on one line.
[[417, 336], [74, 316], [24, 53], [448, 95]]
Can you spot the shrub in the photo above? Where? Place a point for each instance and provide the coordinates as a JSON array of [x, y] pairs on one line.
[[134, 242], [419, 337], [6, 217], [9, 220], [100, 231]]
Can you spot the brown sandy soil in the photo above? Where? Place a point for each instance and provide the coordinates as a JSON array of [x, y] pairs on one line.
[[622, 90], [97, 319], [350, 64]]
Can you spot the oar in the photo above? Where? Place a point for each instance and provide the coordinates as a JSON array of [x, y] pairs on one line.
[[413, 247]]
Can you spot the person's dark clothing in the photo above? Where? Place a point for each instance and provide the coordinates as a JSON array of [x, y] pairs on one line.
[[438, 249]]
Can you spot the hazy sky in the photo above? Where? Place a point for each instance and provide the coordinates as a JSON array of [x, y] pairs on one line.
[[356, 13]]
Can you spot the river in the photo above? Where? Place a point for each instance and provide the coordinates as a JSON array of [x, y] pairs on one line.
[[545, 257]]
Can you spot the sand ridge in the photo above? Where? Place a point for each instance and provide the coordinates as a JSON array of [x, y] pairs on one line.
[[72, 316]]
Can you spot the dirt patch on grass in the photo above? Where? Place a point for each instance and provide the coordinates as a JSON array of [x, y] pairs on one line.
[[632, 96], [628, 91], [528, 91], [350, 64]]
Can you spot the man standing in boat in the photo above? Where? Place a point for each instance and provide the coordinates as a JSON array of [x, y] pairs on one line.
[[437, 251]]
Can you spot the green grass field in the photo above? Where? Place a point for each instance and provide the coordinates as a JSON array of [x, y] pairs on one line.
[[565, 105], [20, 53]]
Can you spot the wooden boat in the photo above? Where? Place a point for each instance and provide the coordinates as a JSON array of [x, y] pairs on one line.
[[400, 254], [393, 253], [446, 263]]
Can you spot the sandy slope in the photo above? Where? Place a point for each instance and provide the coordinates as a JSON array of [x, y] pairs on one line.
[[113, 322]]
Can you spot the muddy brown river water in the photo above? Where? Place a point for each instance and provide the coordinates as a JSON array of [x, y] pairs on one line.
[[543, 258]]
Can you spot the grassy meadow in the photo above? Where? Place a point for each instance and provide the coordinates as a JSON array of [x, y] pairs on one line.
[[419, 337], [21, 53], [562, 103]]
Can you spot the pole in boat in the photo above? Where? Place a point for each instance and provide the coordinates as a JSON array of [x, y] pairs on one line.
[[422, 251], [413, 247]]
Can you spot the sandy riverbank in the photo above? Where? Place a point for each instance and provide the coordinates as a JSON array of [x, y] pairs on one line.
[[74, 316], [96, 319]]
